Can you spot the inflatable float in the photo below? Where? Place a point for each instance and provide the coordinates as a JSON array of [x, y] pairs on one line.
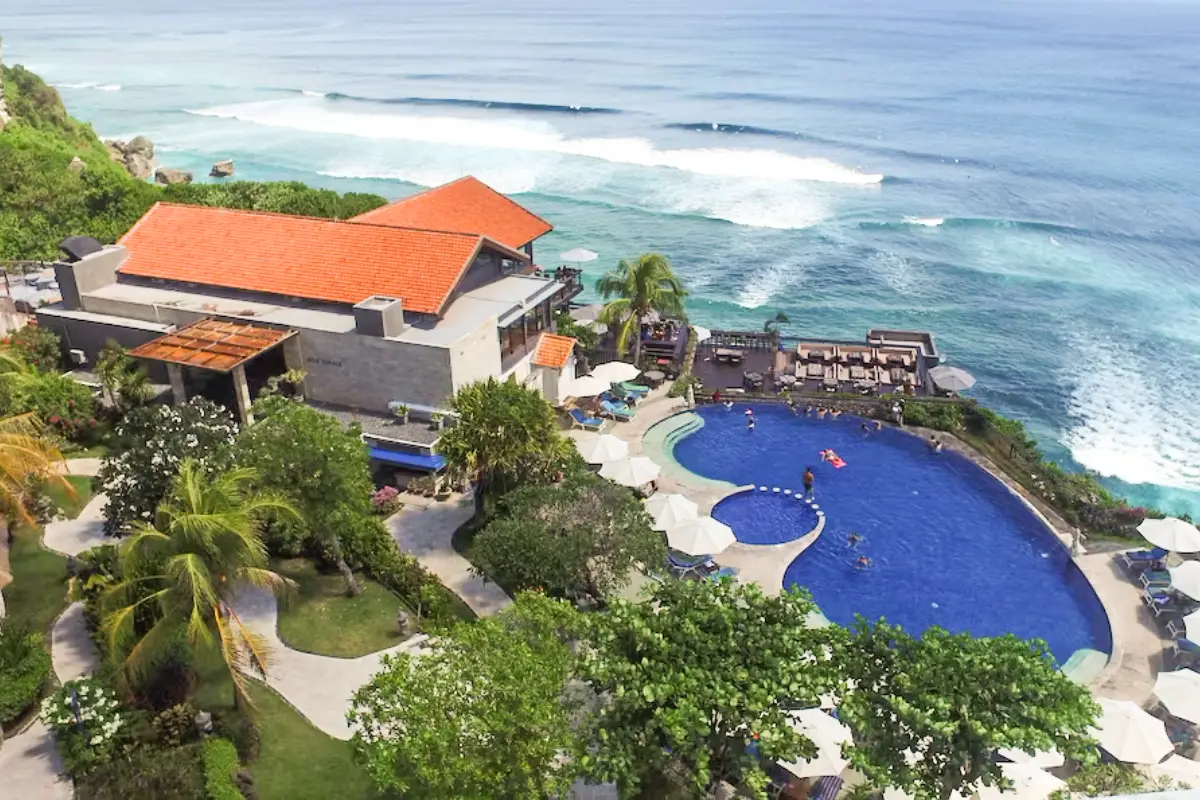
[[833, 458]]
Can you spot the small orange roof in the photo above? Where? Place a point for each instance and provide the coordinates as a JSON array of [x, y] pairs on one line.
[[467, 205], [553, 351], [306, 257], [212, 344]]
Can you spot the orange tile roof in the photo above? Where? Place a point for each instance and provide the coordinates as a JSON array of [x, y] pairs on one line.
[[212, 344], [553, 351], [467, 205], [315, 259]]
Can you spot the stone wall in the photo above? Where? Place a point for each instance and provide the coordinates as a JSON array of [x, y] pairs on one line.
[[366, 372]]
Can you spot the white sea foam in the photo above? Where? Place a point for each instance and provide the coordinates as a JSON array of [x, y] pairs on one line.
[[310, 93], [100, 87], [1129, 414], [303, 114], [764, 284], [901, 274], [928, 222]]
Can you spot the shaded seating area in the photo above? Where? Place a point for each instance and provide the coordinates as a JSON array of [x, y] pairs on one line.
[[581, 420]]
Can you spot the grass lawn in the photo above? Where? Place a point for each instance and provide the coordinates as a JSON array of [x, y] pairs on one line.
[[38, 592], [320, 618], [95, 451], [71, 504]]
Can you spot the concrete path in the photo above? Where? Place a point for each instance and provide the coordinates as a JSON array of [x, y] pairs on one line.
[[30, 768], [425, 528], [73, 536], [80, 466], [319, 687], [1138, 641]]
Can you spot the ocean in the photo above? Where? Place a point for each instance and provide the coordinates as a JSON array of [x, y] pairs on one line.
[[1019, 178]]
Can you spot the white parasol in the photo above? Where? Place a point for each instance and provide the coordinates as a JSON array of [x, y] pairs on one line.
[[585, 386], [1046, 759], [616, 371], [1186, 579], [601, 449], [669, 510], [1179, 691], [1171, 534], [579, 255], [828, 735], [634, 472], [1029, 783], [1129, 734], [700, 536]]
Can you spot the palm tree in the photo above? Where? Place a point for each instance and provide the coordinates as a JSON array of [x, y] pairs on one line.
[[646, 285], [27, 465], [179, 575]]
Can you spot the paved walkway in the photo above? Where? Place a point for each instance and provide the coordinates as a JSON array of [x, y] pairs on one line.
[[319, 687], [73, 536], [425, 528], [80, 466]]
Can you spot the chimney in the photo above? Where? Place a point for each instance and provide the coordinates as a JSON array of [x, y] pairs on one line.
[[379, 316], [85, 267]]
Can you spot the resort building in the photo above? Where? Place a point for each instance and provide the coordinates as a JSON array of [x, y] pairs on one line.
[[395, 309]]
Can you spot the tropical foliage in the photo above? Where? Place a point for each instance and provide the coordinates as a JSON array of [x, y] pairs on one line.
[[582, 536], [24, 669], [39, 347], [633, 291], [480, 716], [27, 464], [123, 379], [940, 706], [87, 723], [178, 575]]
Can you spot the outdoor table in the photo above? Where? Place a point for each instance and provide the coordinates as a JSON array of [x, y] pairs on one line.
[[755, 378], [787, 380], [655, 377]]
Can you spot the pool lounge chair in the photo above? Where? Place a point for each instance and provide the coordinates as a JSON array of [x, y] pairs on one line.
[[1159, 603], [1185, 649], [582, 420], [722, 572], [684, 565], [620, 398], [626, 387], [611, 409], [826, 788], [1156, 578], [1141, 559]]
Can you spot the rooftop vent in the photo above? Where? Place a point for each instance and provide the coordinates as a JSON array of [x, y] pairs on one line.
[[77, 248], [379, 316]]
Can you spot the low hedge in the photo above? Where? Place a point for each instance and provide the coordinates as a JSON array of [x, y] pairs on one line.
[[147, 772], [24, 669], [220, 759]]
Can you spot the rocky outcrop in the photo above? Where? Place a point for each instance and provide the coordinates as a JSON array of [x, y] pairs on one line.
[[137, 155], [222, 169], [77, 166], [167, 176]]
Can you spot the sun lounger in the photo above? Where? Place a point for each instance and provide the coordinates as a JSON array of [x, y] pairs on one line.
[[882, 376], [616, 411], [826, 788], [1159, 603], [722, 572], [816, 352], [684, 565], [582, 420], [1159, 578], [631, 388], [1185, 649], [843, 373], [1141, 559], [894, 355], [621, 398]]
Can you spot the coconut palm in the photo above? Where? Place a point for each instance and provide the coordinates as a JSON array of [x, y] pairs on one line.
[[180, 572], [648, 284], [27, 465]]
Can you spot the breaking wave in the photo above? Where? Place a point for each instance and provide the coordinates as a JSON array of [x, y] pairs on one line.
[[458, 102], [973, 222], [99, 87]]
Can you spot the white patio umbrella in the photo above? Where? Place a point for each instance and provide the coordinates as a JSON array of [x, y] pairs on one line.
[[1171, 534], [828, 735], [1046, 759], [1191, 626], [1179, 769], [669, 510], [579, 255], [585, 386], [635, 471], [616, 371], [1179, 691], [892, 793], [1029, 783], [586, 313], [951, 379], [1186, 578], [1129, 734], [601, 449], [701, 536], [702, 334]]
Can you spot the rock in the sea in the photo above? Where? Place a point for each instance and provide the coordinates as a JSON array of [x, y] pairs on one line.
[[137, 155], [222, 169], [77, 166], [167, 176]]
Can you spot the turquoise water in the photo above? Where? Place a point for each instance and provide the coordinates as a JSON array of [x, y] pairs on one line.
[[949, 545], [1017, 177]]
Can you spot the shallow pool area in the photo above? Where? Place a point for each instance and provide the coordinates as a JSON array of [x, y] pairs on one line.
[[949, 544]]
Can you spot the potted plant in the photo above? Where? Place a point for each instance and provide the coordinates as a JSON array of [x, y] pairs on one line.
[[402, 411], [438, 419]]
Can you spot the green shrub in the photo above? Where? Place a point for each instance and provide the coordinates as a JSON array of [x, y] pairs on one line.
[[40, 347], [147, 773], [939, 416], [88, 724], [220, 759], [24, 668], [239, 729], [176, 725], [1100, 780]]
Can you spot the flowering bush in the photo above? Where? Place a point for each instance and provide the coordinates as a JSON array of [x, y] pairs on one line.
[[40, 347], [386, 501], [151, 443], [87, 723]]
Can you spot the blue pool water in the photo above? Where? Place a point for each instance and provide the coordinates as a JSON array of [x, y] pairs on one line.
[[766, 517], [950, 545]]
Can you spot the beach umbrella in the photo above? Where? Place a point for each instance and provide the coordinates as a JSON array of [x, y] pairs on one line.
[[892, 793], [579, 255], [1046, 759], [635, 471], [828, 735], [1171, 534], [616, 371], [1191, 626], [1179, 769], [585, 386], [669, 510], [1029, 783], [586, 313], [702, 334], [1186, 579], [700, 536], [951, 379], [1179, 691], [602, 449], [1129, 734]]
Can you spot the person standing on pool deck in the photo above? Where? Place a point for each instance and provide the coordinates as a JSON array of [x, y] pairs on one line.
[[808, 484], [750, 423]]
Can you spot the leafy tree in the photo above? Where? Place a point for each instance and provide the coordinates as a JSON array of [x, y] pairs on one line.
[[940, 706], [312, 459], [583, 535], [149, 446], [39, 347], [27, 464], [482, 715], [648, 284], [65, 406], [588, 339], [698, 674], [503, 431], [123, 379], [772, 325], [181, 572]]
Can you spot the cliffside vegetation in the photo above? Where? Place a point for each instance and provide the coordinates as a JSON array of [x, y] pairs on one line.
[[43, 200]]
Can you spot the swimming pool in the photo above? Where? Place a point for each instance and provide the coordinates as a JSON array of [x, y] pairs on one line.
[[949, 544]]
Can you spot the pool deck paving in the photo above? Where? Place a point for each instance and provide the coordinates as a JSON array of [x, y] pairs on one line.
[[1138, 644]]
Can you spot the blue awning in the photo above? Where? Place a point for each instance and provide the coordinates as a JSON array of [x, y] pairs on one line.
[[431, 463]]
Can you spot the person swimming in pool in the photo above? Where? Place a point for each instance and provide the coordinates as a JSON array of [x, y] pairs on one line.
[[854, 539], [808, 483], [833, 412], [820, 412], [750, 423], [729, 405], [863, 562]]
